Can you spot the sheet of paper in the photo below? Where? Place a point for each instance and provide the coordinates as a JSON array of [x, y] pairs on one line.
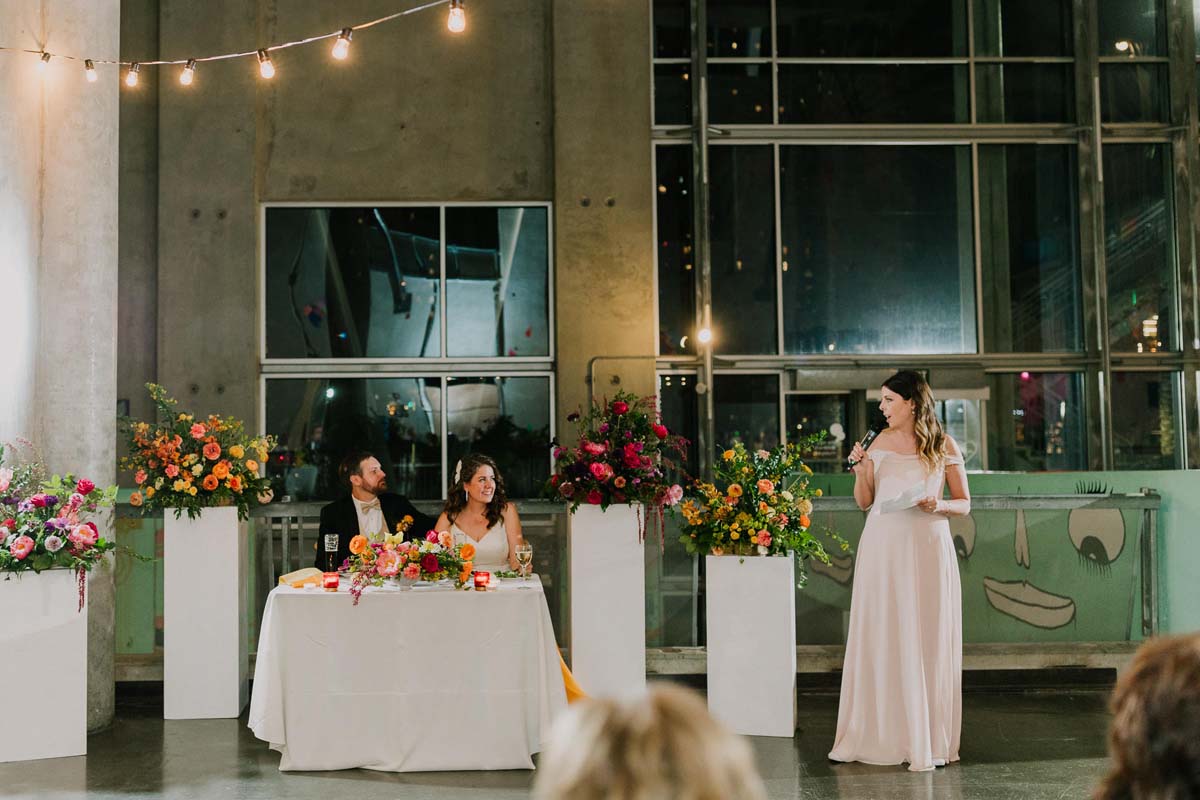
[[906, 499]]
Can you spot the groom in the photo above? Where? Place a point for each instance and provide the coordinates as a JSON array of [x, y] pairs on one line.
[[369, 509]]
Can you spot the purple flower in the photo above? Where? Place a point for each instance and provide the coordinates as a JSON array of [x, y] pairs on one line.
[[56, 524], [51, 500], [9, 501], [52, 544], [604, 427], [25, 505]]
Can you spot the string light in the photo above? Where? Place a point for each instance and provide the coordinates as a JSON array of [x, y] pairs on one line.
[[189, 72], [265, 67], [131, 77], [341, 48], [456, 21], [44, 62], [89, 69]]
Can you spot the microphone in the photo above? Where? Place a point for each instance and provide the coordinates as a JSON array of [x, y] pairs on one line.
[[866, 442]]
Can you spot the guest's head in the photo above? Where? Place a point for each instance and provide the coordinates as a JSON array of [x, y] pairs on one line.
[[476, 480], [362, 473], [1154, 737], [907, 403], [659, 746]]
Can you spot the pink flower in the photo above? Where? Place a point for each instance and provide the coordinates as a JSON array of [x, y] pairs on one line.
[[172, 470], [198, 430], [765, 486], [567, 490], [387, 563], [432, 536], [659, 430], [593, 448], [21, 547], [139, 477], [558, 452], [600, 471], [6, 476], [764, 538], [619, 482], [762, 454], [781, 520], [84, 486], [446, 539], [594, 497], [412, 571], [76, 500], [619, 407], [674, 494], [82, 537], [38, 501], [429, 563]]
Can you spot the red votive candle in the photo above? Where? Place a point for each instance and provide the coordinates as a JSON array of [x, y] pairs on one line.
[[330, 581], [482, 579]]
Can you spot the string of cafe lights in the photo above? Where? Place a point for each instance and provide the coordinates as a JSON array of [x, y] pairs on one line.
[[456, 22]]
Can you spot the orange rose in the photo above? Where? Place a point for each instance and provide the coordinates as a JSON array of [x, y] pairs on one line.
[[358, 544], [252, 465], [468, 552], [235, 483], [465, 575], [210, 482], [804, 521], [221, 470], [212, 451], [735, 490], [135, 499]]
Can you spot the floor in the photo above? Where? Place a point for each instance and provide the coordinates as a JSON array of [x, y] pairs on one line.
[[1027, 745]]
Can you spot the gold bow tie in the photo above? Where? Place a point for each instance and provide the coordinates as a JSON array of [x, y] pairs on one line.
[[368, 506]]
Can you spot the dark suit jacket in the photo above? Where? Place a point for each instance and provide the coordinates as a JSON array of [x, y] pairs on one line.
[[340, 518]]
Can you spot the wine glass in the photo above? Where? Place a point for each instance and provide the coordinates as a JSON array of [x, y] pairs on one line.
[[524, 552]]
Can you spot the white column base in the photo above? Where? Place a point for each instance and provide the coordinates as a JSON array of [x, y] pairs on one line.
[[608, 600], [205, 659], [43, 654], [751, 612]]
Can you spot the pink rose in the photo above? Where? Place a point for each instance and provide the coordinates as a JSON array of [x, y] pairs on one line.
[[76, 500], [84, 486], [593, 448], [429, 563], [600, 471], [432, 536], [6, 476], [619, 407], [660, 431], [766, 487], [198, 430], [387, 563], [139, 477], [674, 494], [172, 470], [593, 497], [558, 452], [21, 547], [38, 501], [412, 572]]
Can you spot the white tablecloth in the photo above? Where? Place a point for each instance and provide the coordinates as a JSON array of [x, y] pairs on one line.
[[407, 681]]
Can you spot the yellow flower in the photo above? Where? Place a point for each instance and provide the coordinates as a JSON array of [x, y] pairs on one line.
[[196, 470], [177, 485], [805, 506], [237, 451], [192, 491], [149, 492], [735, 490], [818, 493], [734, 535], [807, 469], [727, 455]]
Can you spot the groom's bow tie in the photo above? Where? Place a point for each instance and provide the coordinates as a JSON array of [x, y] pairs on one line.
[[370, 505]]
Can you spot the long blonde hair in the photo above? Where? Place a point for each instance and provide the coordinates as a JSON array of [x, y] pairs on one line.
[[927, 428], [660, 746]]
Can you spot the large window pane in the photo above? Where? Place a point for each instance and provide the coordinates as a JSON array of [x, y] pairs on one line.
[[868, 28], [352, 282], [680, 411], [1036, 422], [877, 249], [738, 28], [746, 410], [1133, 92], [507, 419], [739, 94], [872, 93], [1139, 248], [1025, 92], [672, 94], [1132, 27], [320, 420], [743, 249], [676, 273], [497, 273], [1146, 414], [1019, 28], [961, 420], [1028, 246], [672, 28], [806, 414]]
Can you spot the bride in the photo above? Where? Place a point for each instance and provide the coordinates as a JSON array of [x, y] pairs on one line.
[[477, 510]]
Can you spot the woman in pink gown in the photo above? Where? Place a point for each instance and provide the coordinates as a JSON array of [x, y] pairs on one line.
[[901, 698]]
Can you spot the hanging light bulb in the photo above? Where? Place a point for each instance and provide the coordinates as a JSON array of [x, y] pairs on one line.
[[265, 67], [131, 77], [89, 69], [44, 62], [457, 21], [189, 72], [341, 48]]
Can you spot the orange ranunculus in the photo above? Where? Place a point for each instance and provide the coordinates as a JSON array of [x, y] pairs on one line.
[[210, 482], [804, 521], [252, 465], [468, 552], [358, 544], [235, 483], [221, 470], [735, 490], [212, 451], [135, 499]]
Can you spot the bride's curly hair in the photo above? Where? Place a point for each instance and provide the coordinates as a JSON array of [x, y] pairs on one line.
[[464, 471], [931, 437]]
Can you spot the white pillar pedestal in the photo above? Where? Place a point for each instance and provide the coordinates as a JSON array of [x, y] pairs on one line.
[[43, 649], [751, 612], [608, 600], [205, 659]]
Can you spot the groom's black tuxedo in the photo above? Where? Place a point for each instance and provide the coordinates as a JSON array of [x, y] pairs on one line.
[[340, 518]]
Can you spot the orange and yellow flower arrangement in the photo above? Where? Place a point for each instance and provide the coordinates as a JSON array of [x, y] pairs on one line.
[[436, 557]]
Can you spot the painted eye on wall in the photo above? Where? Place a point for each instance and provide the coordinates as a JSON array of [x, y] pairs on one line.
[[1098, 534], [962, 530]]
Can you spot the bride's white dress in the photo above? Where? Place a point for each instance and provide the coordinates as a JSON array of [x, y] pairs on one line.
[[901, 699], [491, 551]]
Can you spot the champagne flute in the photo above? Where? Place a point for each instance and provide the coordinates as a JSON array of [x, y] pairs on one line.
[[524, 552]]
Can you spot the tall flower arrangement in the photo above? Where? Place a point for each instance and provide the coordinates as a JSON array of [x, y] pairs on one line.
[[624, 455], [189, 464], [759, 505]]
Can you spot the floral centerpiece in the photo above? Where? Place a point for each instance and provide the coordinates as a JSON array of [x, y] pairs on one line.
[[624, 455], [374, 561], [190, 464], [44, 525], [759, 505]]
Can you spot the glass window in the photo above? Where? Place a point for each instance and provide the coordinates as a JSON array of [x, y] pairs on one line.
[[739, 94], [1029, 93], [497, 273], [676, 274], [1139, 248], [743, 249], [681, 412], [1133, 92], [1029, 248], [672, 28], [806, 414], [672, 94], [872, 93], [1132, 27], [746, 410], [870, 29], [962, 420], [352, 282], [877, 249], [1023, 28], [507, 419], [1146, 411], [1037, 422], [319, 420], [738, 28]]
